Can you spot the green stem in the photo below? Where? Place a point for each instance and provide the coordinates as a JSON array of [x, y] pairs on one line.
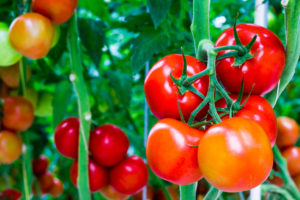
[[188, 191], [27, 6], [212, 194], [197, 76], [83, 107], [267, 188], [26, 167], [233, 47]]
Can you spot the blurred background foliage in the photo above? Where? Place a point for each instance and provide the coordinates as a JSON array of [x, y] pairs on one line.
[[117, 38]]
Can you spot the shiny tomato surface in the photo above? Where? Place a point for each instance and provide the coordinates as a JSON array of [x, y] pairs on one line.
[[288, 132], [292, 156]]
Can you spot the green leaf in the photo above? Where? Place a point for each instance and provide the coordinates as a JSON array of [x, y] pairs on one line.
[[97, 7], [158, 10]]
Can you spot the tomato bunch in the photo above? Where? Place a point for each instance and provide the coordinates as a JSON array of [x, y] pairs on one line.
[[10, 194]]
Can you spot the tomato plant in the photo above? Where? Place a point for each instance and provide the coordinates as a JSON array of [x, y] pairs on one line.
[[10, 194], [149, 195], [110, 193], [10, 147], [40, 165], [10, 75], [46, 182], [292, 155], [57, 188], [288, 132]]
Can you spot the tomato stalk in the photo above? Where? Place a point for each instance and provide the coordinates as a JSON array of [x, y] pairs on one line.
[[267, 188], [188, 191]]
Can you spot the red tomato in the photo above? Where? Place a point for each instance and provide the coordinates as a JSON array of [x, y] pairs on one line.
[[110, 193], [40, 165], [59, 11], [235, 155], [11, 75], [108, 145], [10, 194], [263, 71], [259, 110], [57, 188], [168, 152], [292, 156], [31, 34], [66, 137], [288, 132], [10, 147], [46, 182], [150, 194], [18, 113], [129, 176], [98, 177], [161, 92]]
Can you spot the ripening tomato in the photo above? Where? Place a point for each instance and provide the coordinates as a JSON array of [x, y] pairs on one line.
[[40, 165], [98, 177], [149, 196], [57, 188], [173, 191], [66, 137], [11, 75], [170, 154], [161, 93], [263, 71], [276, 180], [235, 155], [10, 194], [59, 11], [31, 34], [296, 179], [110, 193], [46, 182], [10, 147], [129, 176], [18, 113], [288, 132], [259, 110], [292, 156], [108, 145]]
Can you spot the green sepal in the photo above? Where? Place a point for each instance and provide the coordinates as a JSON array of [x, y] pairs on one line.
[[239, 60]]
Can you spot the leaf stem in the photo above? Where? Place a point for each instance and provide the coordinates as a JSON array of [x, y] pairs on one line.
[[212, 194], [188, 191]]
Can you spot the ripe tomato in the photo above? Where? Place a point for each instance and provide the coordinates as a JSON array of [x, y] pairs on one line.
[[31, 34], [57, 188], [288, 132], [292, 156], [11, 75], [169, 153], [66, 137], [259, 110], [150, 194], [129, 176], [263, 71], [230, 152], [40, 165], [110, 193], [46, 182], [173, 191], [161, 92], [10, 147], [18, 113], [98, 177], [10, 194], [59, 11], [108, 145]]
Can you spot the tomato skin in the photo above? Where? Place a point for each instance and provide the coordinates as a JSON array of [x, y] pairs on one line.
[[238, 146], [10, 147], [263, 70], [288, 132], [10, 75], [129, 176], [110, 193], [173, 191], [59, 11], [57, 188], [40, 165], [66, 137], [150, 194], [168, 152], [161, 92], [10, 194], [292, 156], [108, 145], [46, 182], [296, 179], [98, 176], [259, 110], [31, 34]]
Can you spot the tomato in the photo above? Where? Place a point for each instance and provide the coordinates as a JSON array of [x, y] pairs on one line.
[[235, 155], [10, 194], [10, 147], [59, 11], [66, 137], [40, 165], [17, 113], [263, 71], [288, 132], [169, 153], [297, 181], [149, 196], [98, 176], [129, 176], [259, 110], [110, 193], [57, 188], [161, 93], [10, 75], [46, 182], [31, 34], [276, 180], [108, 145], [173, 191], [292, 156]]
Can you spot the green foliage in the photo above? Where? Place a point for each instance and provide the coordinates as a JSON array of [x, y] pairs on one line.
[[158, 10]]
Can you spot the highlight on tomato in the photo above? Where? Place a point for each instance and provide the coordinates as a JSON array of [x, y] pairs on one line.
[[288, 132]]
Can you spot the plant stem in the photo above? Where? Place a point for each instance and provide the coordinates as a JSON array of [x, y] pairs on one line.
[[83, 108], [267, 188], [188, 191], [212, 194]]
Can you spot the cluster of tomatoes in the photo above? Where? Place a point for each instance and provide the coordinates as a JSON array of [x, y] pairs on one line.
[[47, 184], [10, 194], [109, 169], [233, 155]]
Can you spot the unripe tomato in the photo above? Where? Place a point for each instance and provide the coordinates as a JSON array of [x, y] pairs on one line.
[[66, 137], [40, 165], [17, 113], [98, 177], [57, 188], [46, 182], [31, 34], [10, 194], [288, 132], [59, 11], [108, 145], [11, 75], [170, 154], [235, 155], [110, 193], [263, 71], [173, 191], [161, 93], [149, 196], [10, 147], [292, 156], [129, 176]]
